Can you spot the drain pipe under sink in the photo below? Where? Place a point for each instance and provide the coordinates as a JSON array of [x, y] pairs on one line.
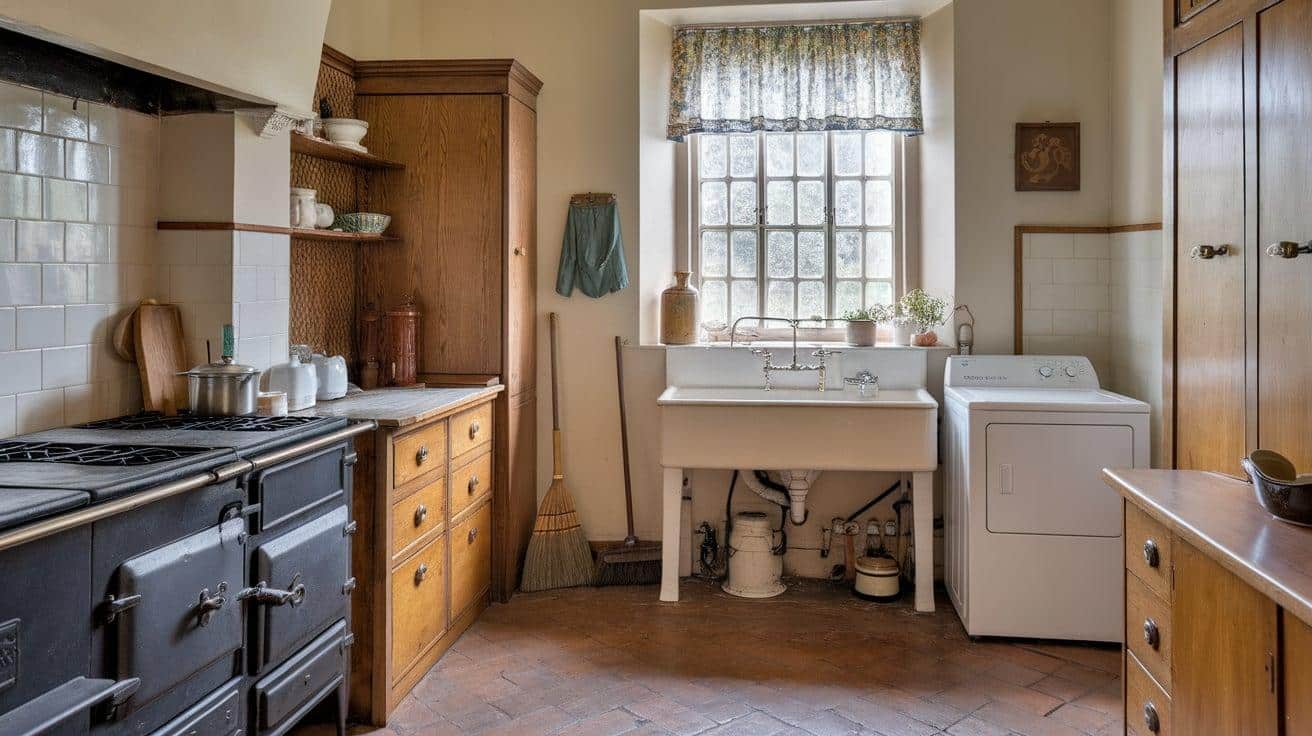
[[798, 482]]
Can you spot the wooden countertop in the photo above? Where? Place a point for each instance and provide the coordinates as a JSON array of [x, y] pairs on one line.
[[1220, 516], [401, 407]]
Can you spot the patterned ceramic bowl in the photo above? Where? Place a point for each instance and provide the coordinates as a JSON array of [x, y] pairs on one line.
[[362, 222]]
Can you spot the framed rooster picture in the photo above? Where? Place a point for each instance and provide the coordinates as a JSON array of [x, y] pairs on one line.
[[1047, 157]]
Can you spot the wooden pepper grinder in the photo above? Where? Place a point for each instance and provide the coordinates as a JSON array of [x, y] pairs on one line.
[[401, 331], [370, 373]]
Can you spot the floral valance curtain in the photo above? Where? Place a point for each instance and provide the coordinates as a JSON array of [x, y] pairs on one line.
[[850, 76]]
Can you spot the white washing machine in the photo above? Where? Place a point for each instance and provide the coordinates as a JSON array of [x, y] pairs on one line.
[[1032, 534]]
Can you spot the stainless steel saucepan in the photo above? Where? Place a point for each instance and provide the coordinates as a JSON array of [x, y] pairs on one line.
[[223, 389]]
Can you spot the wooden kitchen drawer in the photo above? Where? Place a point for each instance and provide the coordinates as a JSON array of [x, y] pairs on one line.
[[418, 452], [1148, 629], [1145, 702], [418, 605], [471, 559], [471, 429], [470, 483], [417, 515], [1148, 551]]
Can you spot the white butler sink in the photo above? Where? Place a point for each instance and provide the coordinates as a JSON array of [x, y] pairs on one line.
[[742, 427]]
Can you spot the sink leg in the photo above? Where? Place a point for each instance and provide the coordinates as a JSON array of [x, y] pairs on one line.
[[922, 501], [671, 513]]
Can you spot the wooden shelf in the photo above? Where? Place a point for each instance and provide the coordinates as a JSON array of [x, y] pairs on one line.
[[337, 236], [319, 148]]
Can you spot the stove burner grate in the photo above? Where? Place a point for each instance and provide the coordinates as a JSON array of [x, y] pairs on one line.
[[209, 424], [91, 454]]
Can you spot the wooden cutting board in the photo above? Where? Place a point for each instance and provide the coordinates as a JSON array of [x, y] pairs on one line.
[[161, 355]]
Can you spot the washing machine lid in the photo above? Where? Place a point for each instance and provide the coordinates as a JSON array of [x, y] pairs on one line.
[[1045, 399]]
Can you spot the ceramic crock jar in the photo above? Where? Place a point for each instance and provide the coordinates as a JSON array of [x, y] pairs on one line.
[[679, 312], [304, 212], [401, 333]]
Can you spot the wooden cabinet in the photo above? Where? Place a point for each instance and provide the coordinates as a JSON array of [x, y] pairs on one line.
[[1211, 652], [1238, 105], [423, 549], [465, 209]]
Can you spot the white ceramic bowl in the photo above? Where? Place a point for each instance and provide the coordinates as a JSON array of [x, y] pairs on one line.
[[345, 130]]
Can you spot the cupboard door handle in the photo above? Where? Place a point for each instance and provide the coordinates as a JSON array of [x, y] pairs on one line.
[[1150, 719], [474, 427], [421, 513], [421, 572], [519, 251], [1208, 252], [1288, 249], [1150, 553], [422, 456], [473, 483], [1151, 636], [472, 534]]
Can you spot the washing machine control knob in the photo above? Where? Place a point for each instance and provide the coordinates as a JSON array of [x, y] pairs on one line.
[[1045, 371], [1070, 371]]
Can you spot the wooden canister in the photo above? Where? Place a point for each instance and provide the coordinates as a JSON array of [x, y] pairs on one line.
[[369, 347], [401, 335], [679, 312]]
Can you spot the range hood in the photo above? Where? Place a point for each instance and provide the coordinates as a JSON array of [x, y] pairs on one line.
[[262, 53]]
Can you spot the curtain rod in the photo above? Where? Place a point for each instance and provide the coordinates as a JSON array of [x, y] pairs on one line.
[[773, 23]]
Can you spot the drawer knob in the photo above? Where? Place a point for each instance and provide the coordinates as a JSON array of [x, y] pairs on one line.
[[1151, 636], [421, 572], [422, 456], [421, 513], [1151, 555], [472, 534], [1150, 719], [474, 427], [473, 484]]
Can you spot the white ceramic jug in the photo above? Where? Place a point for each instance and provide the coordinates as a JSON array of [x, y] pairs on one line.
[[304, 213], [330, 370], [296, 379]]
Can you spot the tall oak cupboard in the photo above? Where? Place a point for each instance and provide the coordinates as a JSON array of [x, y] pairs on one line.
[[465, 210], [1207, 651]]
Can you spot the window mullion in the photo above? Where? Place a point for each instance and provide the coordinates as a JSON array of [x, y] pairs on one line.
[[760, 224]]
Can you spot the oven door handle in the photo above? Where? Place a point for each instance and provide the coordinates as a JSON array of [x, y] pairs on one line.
[[262, 593], [50, 712]]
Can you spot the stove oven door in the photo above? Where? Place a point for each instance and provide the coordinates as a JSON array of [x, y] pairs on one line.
[[305, 584], [177, 611]]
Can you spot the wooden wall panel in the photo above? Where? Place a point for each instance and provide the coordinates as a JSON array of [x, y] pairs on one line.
[[1284, 109], [447, 208], [1209, 298]]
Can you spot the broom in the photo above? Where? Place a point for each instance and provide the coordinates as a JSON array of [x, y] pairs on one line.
[[558, 554], [631, 562]]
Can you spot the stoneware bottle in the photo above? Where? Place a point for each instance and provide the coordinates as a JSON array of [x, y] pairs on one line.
[[679, 312]]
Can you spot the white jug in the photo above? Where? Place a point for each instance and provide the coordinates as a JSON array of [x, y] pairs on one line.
[[296, 379], [304, 213], [330, 370]]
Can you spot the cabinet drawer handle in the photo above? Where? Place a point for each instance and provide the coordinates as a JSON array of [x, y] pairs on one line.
[[1150, 554], [1208, 252], [1289, 249], [422, 456], [473, 483], [421, 572], [421, 513], [472, 534], [474, 427], [1150, 719], [1151, 636]]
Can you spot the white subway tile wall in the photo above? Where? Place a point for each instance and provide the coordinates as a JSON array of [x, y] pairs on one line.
[[78, 187], [1067, 297], [261, 297], [1136, 320]]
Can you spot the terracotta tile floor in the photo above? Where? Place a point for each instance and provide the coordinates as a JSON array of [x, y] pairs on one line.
[[815, 661]]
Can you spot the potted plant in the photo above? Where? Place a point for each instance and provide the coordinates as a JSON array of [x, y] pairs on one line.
[[921, 314], [862, 324]]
